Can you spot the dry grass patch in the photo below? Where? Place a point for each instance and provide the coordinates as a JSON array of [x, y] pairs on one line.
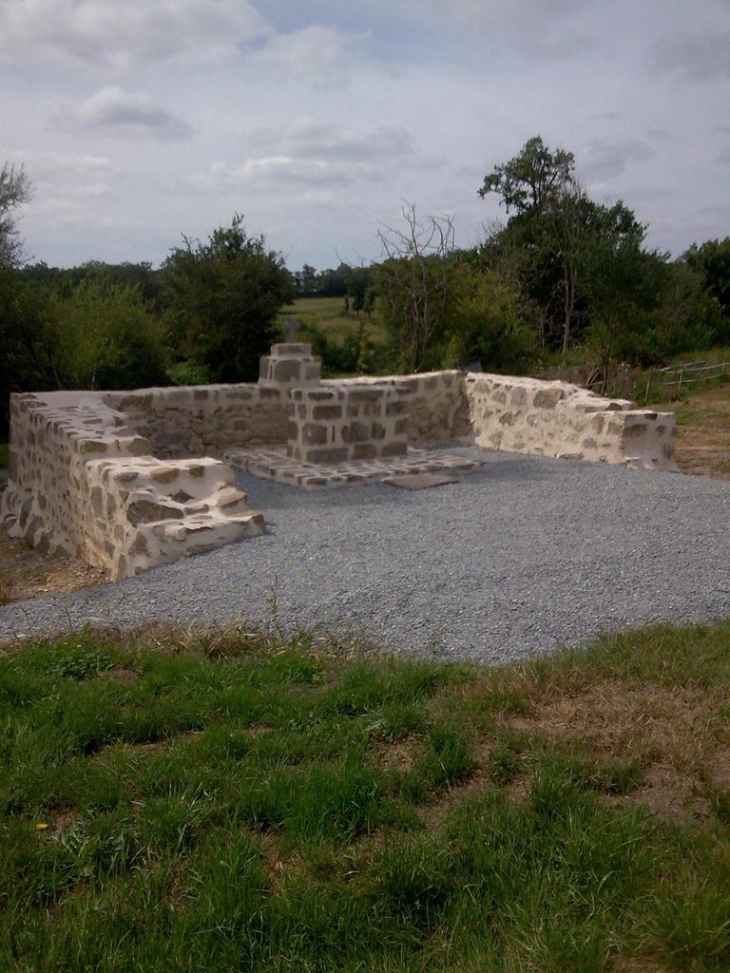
[[703, 432], [26, 573], [671, 734]]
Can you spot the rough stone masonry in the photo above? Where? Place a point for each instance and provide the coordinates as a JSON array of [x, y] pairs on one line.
[[130, 480]]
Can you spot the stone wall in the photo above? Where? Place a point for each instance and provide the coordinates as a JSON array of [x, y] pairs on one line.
[[82, 481], [119, 478], [528, 415], [195, 420], [438, 412], [340, 423], [565, 421]]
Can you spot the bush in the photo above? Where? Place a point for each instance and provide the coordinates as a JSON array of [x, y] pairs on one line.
[[105, 336], [222, 300]]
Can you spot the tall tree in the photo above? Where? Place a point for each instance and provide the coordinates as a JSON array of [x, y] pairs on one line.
[[415, 284], [532, 179], [712, 261], [553, 222], [14, 191], [222, 301], [20, 358]]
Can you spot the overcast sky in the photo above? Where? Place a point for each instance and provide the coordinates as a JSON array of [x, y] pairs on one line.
[[140, 120]]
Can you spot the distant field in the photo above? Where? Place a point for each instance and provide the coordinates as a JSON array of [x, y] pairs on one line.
[[328, 314]]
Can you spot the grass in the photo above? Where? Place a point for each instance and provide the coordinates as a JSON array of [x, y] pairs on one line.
[[328, 315], [4, 456], [703, 431], [235, 802]]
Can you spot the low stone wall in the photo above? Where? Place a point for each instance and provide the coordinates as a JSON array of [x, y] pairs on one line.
[[527, 415], [439, 411], [117, 478], [565, 421], [204, 419], [340, 423], [82, 481]]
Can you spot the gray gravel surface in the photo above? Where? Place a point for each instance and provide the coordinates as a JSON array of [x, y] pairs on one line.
[[513, 560]]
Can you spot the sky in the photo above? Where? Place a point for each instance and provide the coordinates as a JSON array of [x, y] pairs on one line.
[[140, 121]]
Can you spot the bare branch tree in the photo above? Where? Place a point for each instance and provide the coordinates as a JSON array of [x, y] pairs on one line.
[[414, 283]]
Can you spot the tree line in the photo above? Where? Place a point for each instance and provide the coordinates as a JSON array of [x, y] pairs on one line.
[[561, 273]]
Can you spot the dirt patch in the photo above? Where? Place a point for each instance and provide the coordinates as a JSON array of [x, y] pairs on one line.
[[670, 733], [702, 446], [26, 573]]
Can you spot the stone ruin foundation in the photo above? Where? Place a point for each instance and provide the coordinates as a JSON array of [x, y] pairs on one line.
[[130, 480]]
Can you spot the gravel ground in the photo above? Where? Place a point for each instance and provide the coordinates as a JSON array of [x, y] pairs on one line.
[[516, 559]]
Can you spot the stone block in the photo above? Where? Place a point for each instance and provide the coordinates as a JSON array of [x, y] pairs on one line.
[[326, 412], [394, 449], [547, 398], [146, 511], [314, 434], [358, 432], [326, 456]]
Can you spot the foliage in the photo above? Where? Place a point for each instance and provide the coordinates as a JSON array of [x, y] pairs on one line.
[[15, 190], [584, 273], [26, 349], [533, 179], [416, 289], [63, 281], [231, 802], [222, 299], [104, 335], [357, 354], [19, 354], [487, 327], [712, 261]]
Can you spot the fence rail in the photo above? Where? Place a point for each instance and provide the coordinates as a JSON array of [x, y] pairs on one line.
[[691, 373]]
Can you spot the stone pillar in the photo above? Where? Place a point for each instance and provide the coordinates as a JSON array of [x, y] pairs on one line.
[[341, 423], [289, 365]]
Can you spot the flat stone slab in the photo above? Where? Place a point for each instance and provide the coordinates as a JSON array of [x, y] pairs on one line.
[[272, 463], [420, 481]]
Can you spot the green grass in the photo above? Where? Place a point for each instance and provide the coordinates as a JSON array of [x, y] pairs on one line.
[[233, 802], [328, 315], [4, 456]]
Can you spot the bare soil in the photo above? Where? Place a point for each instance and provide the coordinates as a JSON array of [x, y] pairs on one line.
[[26, 573]]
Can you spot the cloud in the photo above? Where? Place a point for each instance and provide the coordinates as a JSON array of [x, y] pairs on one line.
[[100, 32], [504, 13], [313, 51], [701, 56], [606, 158], [316, 156], [273, 171], [567, 45], [124, 112], [321, 141], [43, 166]]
